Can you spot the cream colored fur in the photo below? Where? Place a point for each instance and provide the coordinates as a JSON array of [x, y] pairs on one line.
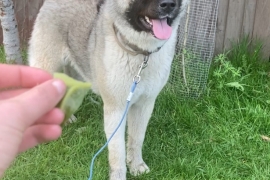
[[71, 35]]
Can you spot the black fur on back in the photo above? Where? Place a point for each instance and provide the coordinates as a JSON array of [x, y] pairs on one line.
[[100, 3]]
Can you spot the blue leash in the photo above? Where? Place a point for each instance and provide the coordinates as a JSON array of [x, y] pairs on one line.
[[134, 85]]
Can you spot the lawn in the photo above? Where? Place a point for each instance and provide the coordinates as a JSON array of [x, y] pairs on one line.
[[223, 135]]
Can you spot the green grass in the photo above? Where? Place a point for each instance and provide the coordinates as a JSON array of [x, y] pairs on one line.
[[2, 55], [215, 137]]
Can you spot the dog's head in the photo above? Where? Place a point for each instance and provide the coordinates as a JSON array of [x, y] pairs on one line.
[[153, 16], [146, 23]]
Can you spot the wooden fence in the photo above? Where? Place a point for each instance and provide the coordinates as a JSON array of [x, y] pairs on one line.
[[26, 12], [235, 19], [240, 17]]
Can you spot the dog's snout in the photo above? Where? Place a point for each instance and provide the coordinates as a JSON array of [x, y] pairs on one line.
[[167, 6]]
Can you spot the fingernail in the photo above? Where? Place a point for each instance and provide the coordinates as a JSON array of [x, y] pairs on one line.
[[59, 85]]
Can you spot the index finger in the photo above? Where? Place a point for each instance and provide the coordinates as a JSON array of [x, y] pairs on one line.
[[21, 76], [24, 110]]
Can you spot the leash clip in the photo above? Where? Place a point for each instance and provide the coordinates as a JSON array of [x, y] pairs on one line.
[[144, 64]]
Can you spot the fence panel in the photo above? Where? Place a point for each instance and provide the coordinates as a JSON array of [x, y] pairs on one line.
[[235, 19], [241, 17], [26, 12]]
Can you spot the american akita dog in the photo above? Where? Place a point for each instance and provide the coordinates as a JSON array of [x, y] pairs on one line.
[[104, 42]]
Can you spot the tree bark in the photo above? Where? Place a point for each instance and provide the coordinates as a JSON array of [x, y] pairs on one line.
[[11, 39]]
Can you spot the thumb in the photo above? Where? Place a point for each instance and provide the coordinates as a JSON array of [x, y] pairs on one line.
[[28, 107]]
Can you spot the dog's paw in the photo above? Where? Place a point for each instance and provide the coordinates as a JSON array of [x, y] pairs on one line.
[[71, 120], [118, 175], [138, 169], [136, 164]]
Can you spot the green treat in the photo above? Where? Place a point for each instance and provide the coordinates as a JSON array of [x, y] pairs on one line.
[[75, 93]]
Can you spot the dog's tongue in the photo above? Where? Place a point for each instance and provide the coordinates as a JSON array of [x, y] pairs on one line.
[[161, 28]]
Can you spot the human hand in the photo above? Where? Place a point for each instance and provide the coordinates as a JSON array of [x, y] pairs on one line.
[[28, 116]]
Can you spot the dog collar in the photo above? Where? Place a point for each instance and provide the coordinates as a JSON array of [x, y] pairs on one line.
[[133, 49]]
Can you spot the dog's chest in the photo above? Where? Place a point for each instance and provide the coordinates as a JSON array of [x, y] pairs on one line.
[[118, 69], [152, 78]]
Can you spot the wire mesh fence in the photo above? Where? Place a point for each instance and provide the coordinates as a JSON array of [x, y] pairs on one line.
[[195, 48]]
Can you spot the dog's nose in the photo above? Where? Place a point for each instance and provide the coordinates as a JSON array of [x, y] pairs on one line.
[[167, 6]]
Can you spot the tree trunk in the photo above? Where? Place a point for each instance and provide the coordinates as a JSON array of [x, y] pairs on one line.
[[10, 32]]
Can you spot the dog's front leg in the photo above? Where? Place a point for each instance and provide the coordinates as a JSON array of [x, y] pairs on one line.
[[138, 117], [117, 155]]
